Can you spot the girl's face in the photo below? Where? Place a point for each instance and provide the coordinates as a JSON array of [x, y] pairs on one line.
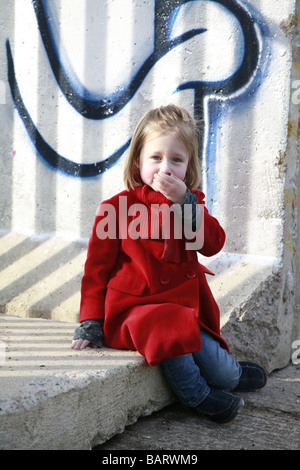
[[164, 153]]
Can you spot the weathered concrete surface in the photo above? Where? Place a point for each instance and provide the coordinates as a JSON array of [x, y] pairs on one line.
[[270, 420], [52, 397]]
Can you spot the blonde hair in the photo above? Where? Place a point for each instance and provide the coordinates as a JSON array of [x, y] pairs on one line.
[[165, 119]]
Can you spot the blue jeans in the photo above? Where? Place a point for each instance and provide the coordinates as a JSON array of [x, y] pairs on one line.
[[190, 376]]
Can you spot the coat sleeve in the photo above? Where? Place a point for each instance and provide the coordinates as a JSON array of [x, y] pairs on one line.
[[100, 262], [213, 234]]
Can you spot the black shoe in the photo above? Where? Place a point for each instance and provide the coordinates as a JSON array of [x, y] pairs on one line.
[[220, 406], [253, 377]]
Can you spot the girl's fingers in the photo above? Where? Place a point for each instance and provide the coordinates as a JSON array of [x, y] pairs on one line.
[[164, 180], [165, 176], [80, 343]]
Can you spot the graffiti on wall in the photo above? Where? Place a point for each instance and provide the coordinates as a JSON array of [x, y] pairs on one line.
[[176, 24]]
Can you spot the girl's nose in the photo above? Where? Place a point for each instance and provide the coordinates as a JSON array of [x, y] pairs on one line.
[[165, 167]]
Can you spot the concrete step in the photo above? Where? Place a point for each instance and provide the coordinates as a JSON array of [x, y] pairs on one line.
[[52, 397]]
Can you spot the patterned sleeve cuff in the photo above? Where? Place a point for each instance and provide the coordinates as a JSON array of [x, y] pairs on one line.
[[91, 330], [191, 210]]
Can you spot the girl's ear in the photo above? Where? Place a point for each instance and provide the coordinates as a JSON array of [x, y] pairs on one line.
[[137, 162]]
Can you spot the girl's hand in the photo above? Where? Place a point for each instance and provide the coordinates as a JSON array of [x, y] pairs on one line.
[[170, 186], [82, 343]]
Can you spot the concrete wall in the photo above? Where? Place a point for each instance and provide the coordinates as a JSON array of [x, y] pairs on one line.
[[76, 75]]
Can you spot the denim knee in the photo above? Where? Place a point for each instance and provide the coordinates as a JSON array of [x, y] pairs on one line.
[[218, 367], [184, 378], [228, 380], [223, 376]]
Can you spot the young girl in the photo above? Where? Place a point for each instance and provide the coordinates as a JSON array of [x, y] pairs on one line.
[[143, 288]]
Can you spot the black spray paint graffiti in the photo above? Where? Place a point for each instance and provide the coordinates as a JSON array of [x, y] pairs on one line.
[[100, 109]]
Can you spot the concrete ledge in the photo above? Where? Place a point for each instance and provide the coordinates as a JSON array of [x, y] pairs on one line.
[[52, 397]]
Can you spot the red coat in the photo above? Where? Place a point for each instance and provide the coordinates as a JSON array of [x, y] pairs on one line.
[[149, 304]]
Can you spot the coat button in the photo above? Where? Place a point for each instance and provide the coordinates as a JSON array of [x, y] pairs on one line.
[[191, 274], [164, 279]]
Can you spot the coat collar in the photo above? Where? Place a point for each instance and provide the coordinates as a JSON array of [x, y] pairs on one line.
[[148, 196], [171, 251]]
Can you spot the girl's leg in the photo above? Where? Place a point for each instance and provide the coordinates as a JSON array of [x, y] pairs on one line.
[[217, 366], [184, 378], [190, 387]]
